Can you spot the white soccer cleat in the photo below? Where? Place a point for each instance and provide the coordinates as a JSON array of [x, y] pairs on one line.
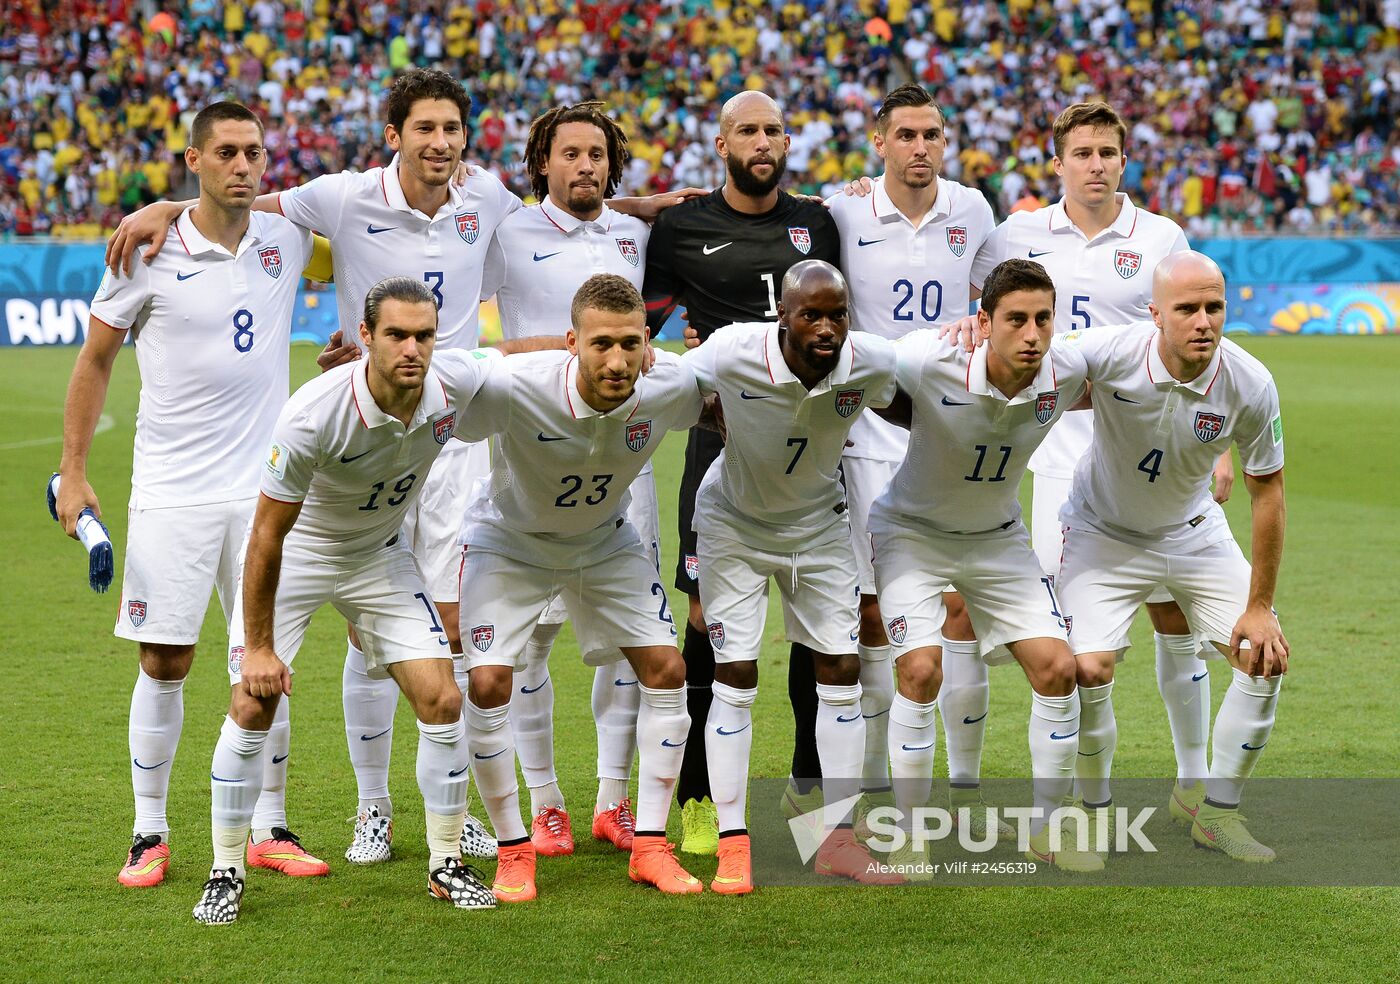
[[477, 841], [373, 836]]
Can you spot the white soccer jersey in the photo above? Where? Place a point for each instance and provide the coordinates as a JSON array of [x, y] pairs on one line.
[[1103, 281], [357, 470], [375, 234], [212, 330], [776, 486], [903, 277], [561, 469], [1146, 478], [970, 444], [542, 255]]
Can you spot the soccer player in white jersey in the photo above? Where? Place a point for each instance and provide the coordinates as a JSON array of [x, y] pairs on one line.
[[212, 322], [348, 456], [772, 506], [906, 251], [1140, 517], [574, 156], [1101, 249], [951, 516], [571, 434]]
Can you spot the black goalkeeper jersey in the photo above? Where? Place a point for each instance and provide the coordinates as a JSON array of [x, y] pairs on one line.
[[726, 266]]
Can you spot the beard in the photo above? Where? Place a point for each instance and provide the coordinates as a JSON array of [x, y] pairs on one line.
[[584, 199], [747, 183]]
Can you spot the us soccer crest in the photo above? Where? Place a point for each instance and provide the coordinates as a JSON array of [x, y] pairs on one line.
[[848, 401], [136, 613], [630, 252], [1209, 426], [692, 567], [957, 239], [716, 630], [442, 429], [898, 629], [468, 226], [801, 239], [483, 636], [638, 434], [271, 258], [1127, 263], [1045, 405], [235, 659]]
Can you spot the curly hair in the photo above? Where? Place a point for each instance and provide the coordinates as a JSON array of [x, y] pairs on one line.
[[541, 140], [424, 83]]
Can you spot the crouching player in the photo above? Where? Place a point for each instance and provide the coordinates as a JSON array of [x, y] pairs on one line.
[[569, 434]]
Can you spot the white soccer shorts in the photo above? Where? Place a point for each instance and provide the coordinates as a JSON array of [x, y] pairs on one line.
[[615, 599], [383, 596], [817, 585], [1008, 597], [866, 479], [1103, 581], [174, 557], [430, 528]]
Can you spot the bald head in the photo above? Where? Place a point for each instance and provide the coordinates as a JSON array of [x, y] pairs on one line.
[[1185, 267], [748, 104], [1188, 305], [814, 313], [807, 276]]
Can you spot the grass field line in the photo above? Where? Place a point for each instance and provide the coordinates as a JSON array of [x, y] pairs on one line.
[[104, 423]]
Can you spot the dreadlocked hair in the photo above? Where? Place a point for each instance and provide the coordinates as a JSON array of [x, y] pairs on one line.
[[541, 140]]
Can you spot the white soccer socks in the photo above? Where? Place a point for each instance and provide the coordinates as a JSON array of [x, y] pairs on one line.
[[532, 719], [662, 726], [728, 741], [442, 778], [962, 701], [876, 696], [617, 697], [1054, 741], [913, 740], [369, 729], [153, 734], [1098, 739], [840, 748], [493, 763], [235, 779], [1184, 684], [271, 808], [1242, 729]]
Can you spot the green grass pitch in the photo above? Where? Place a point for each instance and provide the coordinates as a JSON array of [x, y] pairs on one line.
[[64, 784]]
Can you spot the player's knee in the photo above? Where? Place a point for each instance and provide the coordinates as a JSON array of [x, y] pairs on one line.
[[956, 623], [442, 707], [161, 662], [1094, 669], [872, 625], [1168, 619], [489, 686], [251, 713], [920, 676], [668, 674], [837, 671], [742, 675], [1056, 675]]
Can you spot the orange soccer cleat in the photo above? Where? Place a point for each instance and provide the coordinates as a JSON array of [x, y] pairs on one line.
[[616, 826], [552, 833], [145, 862], [654, 863], [842, 856], [283, 852], [735, 874], [515, 873]]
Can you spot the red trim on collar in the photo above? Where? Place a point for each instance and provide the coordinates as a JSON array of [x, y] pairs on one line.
[[872, 205], [356, 400], [568, 378], [636, 408], [968, 379], [382, 190], [1134, 226], [1147, 357], [851, 344], [182, 238], [768, 364], [1220, 362], [545, 213]]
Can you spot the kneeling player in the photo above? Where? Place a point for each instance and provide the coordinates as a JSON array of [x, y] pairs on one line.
[[349, 453], [570, 433], [950, 515]]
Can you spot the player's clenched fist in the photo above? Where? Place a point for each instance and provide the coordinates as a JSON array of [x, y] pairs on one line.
[[264, 675], [75, 495]]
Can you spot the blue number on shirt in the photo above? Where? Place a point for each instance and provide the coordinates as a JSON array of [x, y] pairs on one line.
[[1151, 465], [664, 614], [243, 330], [906, 289], [1078, 311], [1000, 476], [433, 278], [573, 483], [403, 486]]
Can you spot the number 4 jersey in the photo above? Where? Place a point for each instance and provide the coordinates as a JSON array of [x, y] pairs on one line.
[[211, 330]]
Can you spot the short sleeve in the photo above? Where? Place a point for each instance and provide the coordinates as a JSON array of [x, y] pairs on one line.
[[493, 274], [1071, 370], [911, 354], [991, 253], [1070, 355], [485, 401], [1180, 243], [884, 362], [703, 362], [120, 300], [682, 388], [1261, 441], [318, 204], [292, 457]]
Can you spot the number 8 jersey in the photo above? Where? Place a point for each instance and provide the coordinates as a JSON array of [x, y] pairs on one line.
[[211, 329]]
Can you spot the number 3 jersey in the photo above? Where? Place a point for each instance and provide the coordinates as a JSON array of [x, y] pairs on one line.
[[1146, 478], [212, 330], [969, 443], [560, 469], [356, 470]]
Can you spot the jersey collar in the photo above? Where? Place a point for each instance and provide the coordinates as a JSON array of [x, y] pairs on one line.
[[394, 196], [779, 373], [1122, 226], [569, 224], [196, 245], [578, 406], [978, 385], [433, 402], [1158, 374], [886, 211]]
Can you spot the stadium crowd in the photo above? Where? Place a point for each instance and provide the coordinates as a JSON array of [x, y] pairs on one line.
[[1246, 116]]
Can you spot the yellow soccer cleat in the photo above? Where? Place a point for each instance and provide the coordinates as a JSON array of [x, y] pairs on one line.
[[1185, 802], [699, 827], [978, 816], [1219, 829], [1067, 858]]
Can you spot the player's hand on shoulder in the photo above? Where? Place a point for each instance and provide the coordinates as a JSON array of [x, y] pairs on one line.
[[690, 333], [649, 359], [75, 495], [966, 331], [648, 208], [1257, 644], [147, 225], [337, 352], [264, 675], [1224, 476], [459, 176], [858, 188]]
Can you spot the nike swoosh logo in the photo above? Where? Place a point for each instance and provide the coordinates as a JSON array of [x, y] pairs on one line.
[[868, 242], [186, 276], [707, 250], [1123, 399], [871, 717], [624, 683], [841, 720], [535, 690], [374, 232], [546, 438], [667, 743], [220, 779], [355, 457], [457, 772], [749, 396], [1032, 254], [1055, 737], [380, 735], [1252, 748], [492, 755], [508, 889], [968, 720], [917, 748], [954, 403], [1198, 677], [148, 768], [279, 759], [719, 730], [546, 256], [1090, 754]]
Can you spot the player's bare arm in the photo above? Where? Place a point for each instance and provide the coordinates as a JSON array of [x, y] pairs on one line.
[[1268, 652], [1224, 478], [82, 408], [264, 674]]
